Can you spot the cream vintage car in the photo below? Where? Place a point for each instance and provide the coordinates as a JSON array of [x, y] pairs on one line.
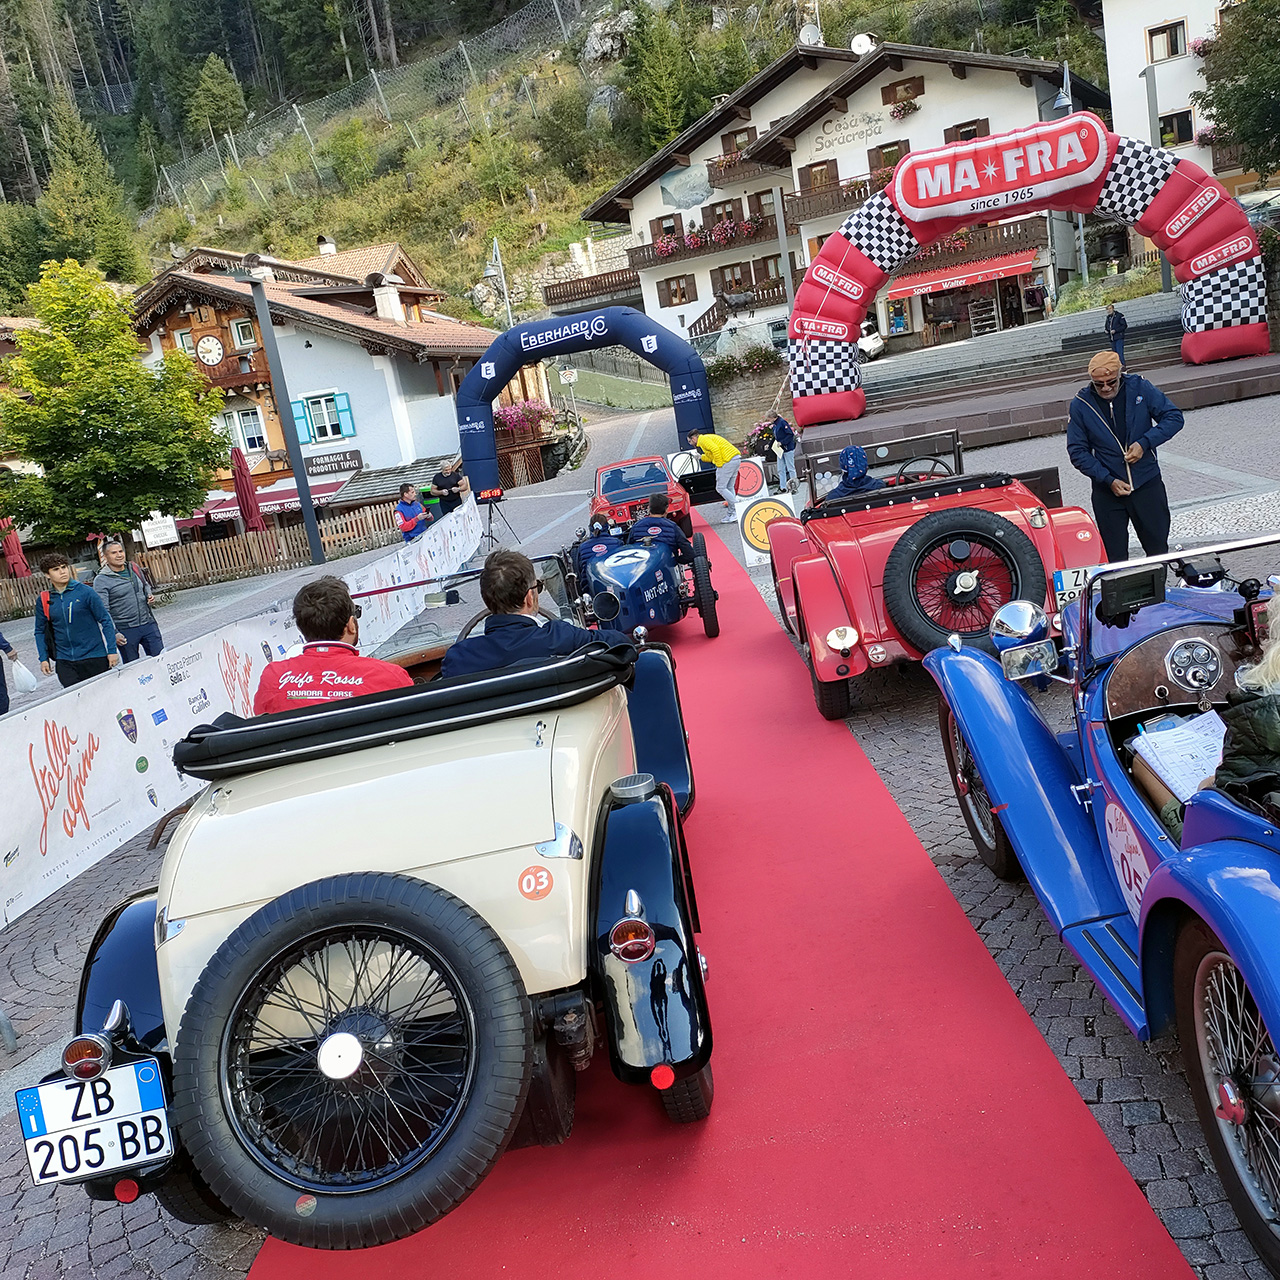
[[385, 938]]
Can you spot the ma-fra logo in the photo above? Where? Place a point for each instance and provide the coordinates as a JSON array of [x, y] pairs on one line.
[[1237, 247], [1192, 211], [822, 328], [838, 282]]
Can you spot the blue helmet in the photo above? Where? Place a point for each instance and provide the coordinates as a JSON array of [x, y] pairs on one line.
[[853, 462]]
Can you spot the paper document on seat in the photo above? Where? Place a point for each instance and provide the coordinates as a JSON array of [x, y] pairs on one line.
[[1186, 754]]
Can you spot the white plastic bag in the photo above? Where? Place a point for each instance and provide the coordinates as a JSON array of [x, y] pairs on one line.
[[23, 680]]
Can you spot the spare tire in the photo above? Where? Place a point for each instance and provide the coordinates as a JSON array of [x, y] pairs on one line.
[[949, 573], [353, 1060]]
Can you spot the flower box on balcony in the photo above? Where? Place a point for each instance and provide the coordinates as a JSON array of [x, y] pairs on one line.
[[665, 246], [724, 232]]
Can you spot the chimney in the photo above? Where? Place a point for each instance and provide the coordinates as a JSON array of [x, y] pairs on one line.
[[326, 246], [386, 296]]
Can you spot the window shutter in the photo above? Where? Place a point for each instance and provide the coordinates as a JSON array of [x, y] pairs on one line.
[[691, 289], [655, 228], [726, 144], [806, 178], [664, 293], [875, 159], [301, 421], [345, 420], [984, 128], [679, 225], [708, 216], [952, 134]]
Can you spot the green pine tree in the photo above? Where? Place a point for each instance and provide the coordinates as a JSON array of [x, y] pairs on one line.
[[116, 250], [82, 190], [659, 86], [215, 103]]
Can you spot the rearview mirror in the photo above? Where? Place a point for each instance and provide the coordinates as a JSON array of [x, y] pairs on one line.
[[1022, 661]]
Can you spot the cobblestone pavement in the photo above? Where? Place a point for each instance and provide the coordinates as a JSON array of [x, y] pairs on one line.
[[1136, 1092]]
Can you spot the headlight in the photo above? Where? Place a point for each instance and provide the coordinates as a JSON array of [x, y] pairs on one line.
[[842, 639]]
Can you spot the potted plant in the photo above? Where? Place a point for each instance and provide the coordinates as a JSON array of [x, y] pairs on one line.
[[723, 232], [694, 238], [901, 110], [665, 246], [750, 225]]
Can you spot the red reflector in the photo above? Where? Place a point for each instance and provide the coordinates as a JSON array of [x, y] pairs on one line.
[[632, 940], [127, 1191], [662, 1077]]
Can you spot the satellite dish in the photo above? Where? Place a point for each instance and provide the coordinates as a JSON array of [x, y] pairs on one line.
[[863, 43], [809, 34]]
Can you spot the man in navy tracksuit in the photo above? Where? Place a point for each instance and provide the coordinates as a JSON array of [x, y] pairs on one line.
[[514, 632], [84, 636], [656, 527], [1113, 430], [598, 543]]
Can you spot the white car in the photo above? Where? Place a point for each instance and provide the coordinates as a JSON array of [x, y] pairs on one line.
[[870, 343]]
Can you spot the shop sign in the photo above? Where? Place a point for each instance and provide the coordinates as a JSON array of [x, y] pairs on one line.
[[159, 531], [328, 464]]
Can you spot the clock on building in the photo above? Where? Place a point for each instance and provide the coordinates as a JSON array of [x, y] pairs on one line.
[[209, 350]]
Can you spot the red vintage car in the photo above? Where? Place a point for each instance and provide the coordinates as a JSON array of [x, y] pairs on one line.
[[623, 490], [888, 575]]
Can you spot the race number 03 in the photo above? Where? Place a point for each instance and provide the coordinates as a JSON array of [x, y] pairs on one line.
[[535, 883]]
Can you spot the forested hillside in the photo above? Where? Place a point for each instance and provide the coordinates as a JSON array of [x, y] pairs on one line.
[[515, 144]]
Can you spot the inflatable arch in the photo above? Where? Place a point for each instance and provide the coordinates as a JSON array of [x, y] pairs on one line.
[[561, 335], [1074, 164]]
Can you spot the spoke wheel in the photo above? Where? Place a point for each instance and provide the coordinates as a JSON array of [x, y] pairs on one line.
[[975, 803], [960, 583], [1234, 1072], [348, 1059]]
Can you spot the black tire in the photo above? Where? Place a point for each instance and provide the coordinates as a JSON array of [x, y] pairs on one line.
[[831, 697], [704, 596], [272, 1135], [782, 607], [985, 829], [690, 1099], [967, 538], [1203, 968], [186, 1196], [699, 541], [686, 525]]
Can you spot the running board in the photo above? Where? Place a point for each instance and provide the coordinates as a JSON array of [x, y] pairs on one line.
[[1109, 950]]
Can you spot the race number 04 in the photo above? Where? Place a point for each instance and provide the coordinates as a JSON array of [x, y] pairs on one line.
[[535, 883]]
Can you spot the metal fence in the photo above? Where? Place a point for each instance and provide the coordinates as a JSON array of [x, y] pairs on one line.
[[419, 104]]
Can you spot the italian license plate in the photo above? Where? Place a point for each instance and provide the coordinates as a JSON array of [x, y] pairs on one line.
[[83, 1128], [1069, 583]]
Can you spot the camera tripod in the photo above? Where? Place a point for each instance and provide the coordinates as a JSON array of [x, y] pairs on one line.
[[489, 539]]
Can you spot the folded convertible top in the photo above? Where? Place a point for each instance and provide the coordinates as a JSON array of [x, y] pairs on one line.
[[233, 745]]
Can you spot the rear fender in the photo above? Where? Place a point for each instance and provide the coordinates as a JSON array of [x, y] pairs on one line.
[[1077, 543], [121, 965], [820, 607], [655, 1010], [657, 724], [1234, 887], [1029, 779], [787, 543]]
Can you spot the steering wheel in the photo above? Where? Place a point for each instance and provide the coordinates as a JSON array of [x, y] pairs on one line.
[[936, 467], [484, 613]]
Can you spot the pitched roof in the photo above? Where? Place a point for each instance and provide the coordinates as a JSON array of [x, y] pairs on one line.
[[772, 148], [435, 335], [361, 262], [368, 486], [9, 323]]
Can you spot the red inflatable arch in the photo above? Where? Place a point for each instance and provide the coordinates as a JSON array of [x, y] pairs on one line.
[[1074, 164]]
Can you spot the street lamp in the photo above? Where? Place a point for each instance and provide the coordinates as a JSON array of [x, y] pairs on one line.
[[1148, 73], [1063, 103], [256, 270], [493, 271]]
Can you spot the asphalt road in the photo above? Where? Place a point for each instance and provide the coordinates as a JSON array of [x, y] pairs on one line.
[[1223, 475]]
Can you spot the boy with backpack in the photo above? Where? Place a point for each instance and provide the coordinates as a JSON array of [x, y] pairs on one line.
[[74, 632]]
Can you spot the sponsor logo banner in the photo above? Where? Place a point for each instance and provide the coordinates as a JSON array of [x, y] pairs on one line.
[[811, 328], [594, 328], [1191, 212], [838, 282], [1241, 246], [1004, 173]]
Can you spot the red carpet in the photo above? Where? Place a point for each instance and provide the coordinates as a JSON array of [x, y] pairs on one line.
[[884, 1107]]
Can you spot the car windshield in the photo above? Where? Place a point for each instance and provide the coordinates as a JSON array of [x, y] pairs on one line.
[[642, 477], [1208, 585]]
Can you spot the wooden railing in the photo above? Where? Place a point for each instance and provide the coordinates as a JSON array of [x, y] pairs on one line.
[[769, 294], [1227, 156], [731, 167], [985, 242], [228, 374], [586, 288], [645, 255], [818, 202]]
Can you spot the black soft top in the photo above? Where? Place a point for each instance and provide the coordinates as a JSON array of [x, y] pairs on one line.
[[233, 745], [905, 494]]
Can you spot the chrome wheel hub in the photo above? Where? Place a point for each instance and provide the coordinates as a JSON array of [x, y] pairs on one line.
[[339, 1055]]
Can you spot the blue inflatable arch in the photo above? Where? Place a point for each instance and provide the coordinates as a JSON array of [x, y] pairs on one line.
[[562, 335]]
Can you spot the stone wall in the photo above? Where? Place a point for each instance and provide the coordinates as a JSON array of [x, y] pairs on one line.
[[583, 258], [736, 408]]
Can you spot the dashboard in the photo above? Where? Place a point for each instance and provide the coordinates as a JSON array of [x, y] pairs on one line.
[[1176, 667]]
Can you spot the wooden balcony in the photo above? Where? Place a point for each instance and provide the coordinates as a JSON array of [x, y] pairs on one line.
[[819, 202], [771, 293], [1227, 157], [228, 374], [645, 255], [608, 284], [986, 242], [733, 168]]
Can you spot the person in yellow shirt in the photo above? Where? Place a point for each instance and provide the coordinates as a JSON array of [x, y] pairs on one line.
[[726, 460]]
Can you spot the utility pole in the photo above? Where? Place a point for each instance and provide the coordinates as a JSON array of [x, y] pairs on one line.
[[1148, 73], [780, 217]]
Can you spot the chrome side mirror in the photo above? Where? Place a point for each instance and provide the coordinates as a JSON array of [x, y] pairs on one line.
[[1020, 622], [1022, 661]]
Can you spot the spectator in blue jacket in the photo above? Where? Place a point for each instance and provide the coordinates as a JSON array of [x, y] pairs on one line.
[[784, 436], [77, 622], [412, 517], [1116, 325], [12, 654], [1113, 429], [853, 475], [514, 632], [655, 527]]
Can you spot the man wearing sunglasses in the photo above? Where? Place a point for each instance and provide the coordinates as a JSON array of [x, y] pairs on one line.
[[1113, 429], [330, 665], [514, 631]]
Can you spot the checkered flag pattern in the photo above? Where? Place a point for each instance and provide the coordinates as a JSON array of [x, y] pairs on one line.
[[819, 366], [878, 229], [1222, 299], [1134, 180]]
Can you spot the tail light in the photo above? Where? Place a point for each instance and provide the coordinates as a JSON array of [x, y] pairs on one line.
[[126, 1191], [632, 940], [87, 1057], [662, 1076]]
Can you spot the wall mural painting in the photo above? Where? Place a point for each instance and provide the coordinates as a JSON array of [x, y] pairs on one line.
[[685, 188], [1075, 165]]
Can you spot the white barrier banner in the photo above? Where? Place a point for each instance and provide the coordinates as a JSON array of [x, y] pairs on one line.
[[88, 770]]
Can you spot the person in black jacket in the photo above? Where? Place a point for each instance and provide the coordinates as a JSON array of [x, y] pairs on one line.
[[1113, 428], [597, 544], [1115, 326], [514, 632], [655, 527]]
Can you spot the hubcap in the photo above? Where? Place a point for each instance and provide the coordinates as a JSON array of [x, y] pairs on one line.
[[959, 583], [340, 1055]]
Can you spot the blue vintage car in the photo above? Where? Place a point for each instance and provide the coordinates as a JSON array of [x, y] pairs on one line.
[[1167, 890], [641, 584]]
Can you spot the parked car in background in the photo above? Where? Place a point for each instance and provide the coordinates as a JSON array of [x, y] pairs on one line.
[[870, 343], [623, 489]]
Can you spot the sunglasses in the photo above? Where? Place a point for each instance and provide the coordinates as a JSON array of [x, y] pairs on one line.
[[1104, 384], [356, 611], [538, 585]]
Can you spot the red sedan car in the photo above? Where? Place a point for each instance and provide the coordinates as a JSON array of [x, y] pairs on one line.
[[888, 575], [623, 490]]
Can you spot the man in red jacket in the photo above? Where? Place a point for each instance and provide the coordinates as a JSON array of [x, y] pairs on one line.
[[329, 666]]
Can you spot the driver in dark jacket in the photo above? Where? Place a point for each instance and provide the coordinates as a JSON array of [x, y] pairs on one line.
[[514, 632], [853, 475], [597, 544], [656, 527]]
